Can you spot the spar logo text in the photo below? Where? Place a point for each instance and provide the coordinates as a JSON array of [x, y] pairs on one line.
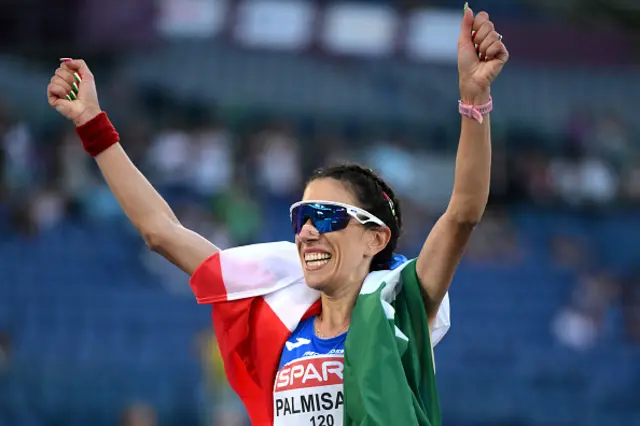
[[310, 372]]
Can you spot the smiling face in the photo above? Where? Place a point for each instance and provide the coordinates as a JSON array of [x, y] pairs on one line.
[[335, 259]]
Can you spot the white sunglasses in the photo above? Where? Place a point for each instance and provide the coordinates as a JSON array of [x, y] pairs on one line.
[[328, 216]]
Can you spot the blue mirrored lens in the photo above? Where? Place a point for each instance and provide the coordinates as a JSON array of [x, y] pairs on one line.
[[324, 217]]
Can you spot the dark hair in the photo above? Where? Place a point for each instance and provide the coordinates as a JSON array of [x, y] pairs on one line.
[[373, 195]]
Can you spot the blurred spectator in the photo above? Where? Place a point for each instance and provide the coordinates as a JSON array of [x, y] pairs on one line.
[[610, 141], [5, 351], [630, 296], [531, 176], [240, 214], [494, 241], [212, 162], [631, 185], [170, 154], [568, 252], [277, 161], [581, 323], [75, 168], [584, 181], [139, 414], [19, 158], [47, 209]]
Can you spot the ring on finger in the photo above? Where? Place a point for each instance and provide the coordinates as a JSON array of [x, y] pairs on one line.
[[499, 37]]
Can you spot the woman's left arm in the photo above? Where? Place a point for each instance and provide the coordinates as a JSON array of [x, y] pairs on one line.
[[448, 239]]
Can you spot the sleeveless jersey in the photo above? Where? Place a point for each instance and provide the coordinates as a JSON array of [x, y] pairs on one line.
[[309, 384]]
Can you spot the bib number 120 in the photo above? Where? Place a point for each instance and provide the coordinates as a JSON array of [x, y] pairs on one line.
[[322, 420]]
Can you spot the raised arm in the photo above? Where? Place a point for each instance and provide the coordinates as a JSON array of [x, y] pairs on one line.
[[481, 56], [145, 208]]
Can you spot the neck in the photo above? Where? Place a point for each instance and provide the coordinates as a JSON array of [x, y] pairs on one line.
[[336, 310]]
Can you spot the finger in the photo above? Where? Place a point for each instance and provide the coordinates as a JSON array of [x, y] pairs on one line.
[[479, 20], [62, 82], [482, 32], [56, 92], [466, 26], [490, 39], [498, 51], [66, 75], [78, 66], [73, 78]]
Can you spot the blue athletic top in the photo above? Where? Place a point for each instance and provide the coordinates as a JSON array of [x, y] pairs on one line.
[[308, 388]]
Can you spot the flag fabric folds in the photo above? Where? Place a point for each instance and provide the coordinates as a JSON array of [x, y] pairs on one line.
[[259, 296]]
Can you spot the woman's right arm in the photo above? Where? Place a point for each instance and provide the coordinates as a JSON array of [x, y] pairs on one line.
[[150, 213], [145, 208]]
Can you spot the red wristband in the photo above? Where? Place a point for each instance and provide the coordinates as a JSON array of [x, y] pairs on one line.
[[98, 134]]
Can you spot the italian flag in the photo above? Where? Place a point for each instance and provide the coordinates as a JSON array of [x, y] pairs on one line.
[[259, 297]]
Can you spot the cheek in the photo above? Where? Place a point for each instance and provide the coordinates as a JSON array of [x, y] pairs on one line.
[[350, 247]]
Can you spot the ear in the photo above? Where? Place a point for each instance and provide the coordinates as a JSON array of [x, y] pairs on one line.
[[378, 240]]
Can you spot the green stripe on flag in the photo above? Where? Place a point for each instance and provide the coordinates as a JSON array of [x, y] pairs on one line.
[[389, 377]]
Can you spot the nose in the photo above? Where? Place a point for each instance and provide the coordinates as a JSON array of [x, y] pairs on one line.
[[308, 232]]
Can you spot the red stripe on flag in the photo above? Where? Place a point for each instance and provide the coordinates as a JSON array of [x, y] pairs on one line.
[[207, 282], [251, 337]]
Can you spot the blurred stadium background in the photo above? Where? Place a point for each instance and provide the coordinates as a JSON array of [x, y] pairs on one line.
[[227, 105]]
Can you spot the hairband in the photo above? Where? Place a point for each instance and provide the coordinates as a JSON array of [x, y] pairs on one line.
[[393, 210]]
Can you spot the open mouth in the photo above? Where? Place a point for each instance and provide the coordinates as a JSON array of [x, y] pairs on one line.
[[315, 261]]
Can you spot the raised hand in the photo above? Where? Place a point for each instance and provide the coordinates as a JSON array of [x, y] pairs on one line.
[[481, 56], [72, 92]]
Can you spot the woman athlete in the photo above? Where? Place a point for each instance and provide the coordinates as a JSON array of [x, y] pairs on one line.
[[341, 239]]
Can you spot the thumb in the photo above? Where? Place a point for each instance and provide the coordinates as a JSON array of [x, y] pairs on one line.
[[466, 27]]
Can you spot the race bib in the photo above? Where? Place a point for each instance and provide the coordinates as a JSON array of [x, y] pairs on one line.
[[309, 391]]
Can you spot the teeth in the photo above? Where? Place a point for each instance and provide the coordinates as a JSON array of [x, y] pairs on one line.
[[316, 263], [316, 256]]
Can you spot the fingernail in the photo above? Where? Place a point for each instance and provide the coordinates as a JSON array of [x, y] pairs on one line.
[[68, 98], [486, 59], [66, 59], [466, 5], [75, 87], [480, 56], [476, 46], [73, 95], [473, 36], [77, 77]]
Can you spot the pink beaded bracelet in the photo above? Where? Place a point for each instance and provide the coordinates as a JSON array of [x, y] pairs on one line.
[[475, 112]]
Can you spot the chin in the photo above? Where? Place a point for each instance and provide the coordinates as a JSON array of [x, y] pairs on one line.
[[316, 281], [318, 278]]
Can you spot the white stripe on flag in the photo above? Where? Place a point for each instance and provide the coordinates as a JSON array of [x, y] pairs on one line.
[[259, 269], [291, 303]]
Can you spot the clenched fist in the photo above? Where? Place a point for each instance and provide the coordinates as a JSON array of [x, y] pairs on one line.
[[72, 92], [481, 56]]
